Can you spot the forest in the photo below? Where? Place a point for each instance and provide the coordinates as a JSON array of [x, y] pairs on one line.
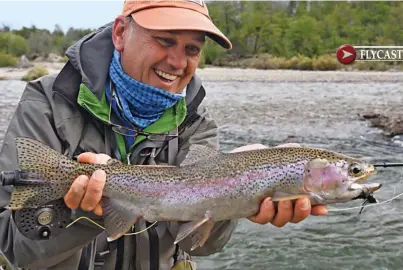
[[265, 34]]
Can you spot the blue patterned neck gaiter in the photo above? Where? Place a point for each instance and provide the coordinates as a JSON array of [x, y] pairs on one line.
[[141, 104]]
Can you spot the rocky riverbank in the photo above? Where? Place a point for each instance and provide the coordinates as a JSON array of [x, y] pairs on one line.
[[390, 122], [17, 73]]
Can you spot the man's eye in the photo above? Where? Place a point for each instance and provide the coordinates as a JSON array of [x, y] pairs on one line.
[[192, 50]]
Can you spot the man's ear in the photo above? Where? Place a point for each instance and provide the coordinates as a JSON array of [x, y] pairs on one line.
[[120, 26]]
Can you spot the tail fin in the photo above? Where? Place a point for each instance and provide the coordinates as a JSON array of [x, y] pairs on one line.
[[33, 154], [45, 174]]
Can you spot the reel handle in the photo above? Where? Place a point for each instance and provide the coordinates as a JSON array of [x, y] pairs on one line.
[[9, 178]]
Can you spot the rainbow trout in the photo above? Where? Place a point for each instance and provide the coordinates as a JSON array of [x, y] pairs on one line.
[[209, 186]]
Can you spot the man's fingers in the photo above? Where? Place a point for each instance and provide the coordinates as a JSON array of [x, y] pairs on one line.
[[94, 191], [302, 210], [89, 157], [266, 212], [98, 210], [319, 210], [76, 192], [284, 213]]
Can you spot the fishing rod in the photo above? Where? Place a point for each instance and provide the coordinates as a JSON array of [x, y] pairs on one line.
[[11, 178], [385, 164]]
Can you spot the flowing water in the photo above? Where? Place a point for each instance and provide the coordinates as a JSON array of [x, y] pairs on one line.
[[315, 114]]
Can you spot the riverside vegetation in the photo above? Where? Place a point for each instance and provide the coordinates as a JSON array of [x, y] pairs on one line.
[[265, 34]]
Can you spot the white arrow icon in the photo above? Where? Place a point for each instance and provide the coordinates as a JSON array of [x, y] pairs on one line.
[[346, 54]]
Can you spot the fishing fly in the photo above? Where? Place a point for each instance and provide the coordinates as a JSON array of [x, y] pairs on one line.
[[369, 199]]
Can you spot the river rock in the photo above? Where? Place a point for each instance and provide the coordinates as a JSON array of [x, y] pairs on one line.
[[54, 58], [24, 62], [390, 122]]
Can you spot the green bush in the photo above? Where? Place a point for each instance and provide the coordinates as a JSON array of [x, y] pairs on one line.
[[326, 62], [299, 62], [211, 52], [7, 60], [304, 63], [64, 59], [13, 44], [35, 73], [265, 61], [293, 62], [202, 61]]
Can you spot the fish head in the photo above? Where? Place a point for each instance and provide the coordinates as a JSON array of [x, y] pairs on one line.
[[338, 179]]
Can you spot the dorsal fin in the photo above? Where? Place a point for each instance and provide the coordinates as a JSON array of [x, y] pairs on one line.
[[198, 152]]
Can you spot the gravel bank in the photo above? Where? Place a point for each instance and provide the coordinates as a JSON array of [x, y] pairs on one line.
[[237, 74]]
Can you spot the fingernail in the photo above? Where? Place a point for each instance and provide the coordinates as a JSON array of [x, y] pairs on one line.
[[268, 203], [305, 205], [83, 157], [82, 179], [99, 174]]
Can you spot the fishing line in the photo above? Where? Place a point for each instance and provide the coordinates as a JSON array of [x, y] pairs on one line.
[[375, 204], [401, 178], [100, 226]]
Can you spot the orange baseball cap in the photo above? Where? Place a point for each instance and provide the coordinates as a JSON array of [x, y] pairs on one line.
[[175, 15]]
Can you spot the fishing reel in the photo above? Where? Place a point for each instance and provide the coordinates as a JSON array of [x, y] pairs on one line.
[[44, 222], [41, 223]]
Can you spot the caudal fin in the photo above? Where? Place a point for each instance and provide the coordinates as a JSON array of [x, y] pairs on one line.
[[44, 174], [32, 154]]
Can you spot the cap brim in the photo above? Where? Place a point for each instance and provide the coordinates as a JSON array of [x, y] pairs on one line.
[[171, 18]]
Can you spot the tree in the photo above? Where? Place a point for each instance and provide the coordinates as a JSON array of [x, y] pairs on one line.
[[13, 44]]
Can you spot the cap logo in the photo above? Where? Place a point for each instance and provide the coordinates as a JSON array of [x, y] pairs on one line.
[[199, 2]]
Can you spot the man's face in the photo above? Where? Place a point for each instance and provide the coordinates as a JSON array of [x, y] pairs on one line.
[[164, 59]]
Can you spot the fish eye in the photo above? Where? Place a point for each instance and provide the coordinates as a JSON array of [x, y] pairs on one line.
[[355, 170]]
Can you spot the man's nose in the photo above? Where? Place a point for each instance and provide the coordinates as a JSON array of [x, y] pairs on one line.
[[177, 59]]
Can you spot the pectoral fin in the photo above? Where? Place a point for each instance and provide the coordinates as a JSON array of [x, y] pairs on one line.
[[283, 196], [118, 217], [198, 231]]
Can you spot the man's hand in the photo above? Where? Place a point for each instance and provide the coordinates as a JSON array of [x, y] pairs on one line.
[[87, 192], [286, 210]]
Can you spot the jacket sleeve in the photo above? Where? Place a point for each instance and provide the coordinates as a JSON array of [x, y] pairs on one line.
[[205, 132], [33, 118]]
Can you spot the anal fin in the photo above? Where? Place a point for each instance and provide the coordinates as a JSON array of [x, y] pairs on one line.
[[118, 217], [198, 230]]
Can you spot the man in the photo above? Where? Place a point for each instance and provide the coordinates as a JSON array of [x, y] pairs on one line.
[[122, 83]]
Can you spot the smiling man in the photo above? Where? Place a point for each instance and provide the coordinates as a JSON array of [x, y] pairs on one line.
[[129, 91]]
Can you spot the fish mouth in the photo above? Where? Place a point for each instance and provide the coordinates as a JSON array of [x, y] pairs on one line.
[[366, 190]]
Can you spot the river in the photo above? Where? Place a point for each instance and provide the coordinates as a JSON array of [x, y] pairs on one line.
[[315, 113]]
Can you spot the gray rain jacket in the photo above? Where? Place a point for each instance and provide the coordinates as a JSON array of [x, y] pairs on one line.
[[48, 111]]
